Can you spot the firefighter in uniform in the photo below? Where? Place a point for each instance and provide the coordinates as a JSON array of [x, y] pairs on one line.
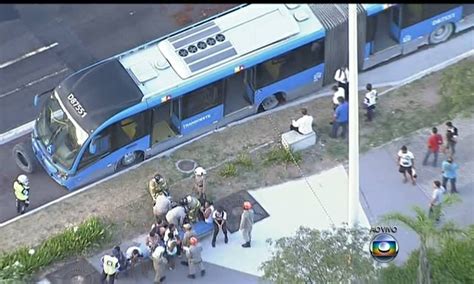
[[110, 266], [194, 206], [158, 186], [21, 188]]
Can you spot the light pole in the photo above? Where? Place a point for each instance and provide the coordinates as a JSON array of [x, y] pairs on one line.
[[353, 119]]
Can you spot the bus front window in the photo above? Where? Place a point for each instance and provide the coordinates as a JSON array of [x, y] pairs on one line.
[[60, 136]]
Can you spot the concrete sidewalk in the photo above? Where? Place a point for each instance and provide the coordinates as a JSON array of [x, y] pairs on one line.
[[383, 192]]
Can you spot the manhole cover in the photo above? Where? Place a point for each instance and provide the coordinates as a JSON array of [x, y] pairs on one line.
[[186, 166]]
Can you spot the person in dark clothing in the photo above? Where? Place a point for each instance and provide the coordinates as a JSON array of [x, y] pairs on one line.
[[121, 258], [451, 137], [220, 223], [341, 118]]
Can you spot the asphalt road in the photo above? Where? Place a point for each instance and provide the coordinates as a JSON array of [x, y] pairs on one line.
[[84, 34], [78, 35]]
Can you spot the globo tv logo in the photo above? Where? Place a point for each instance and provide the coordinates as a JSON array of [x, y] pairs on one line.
[[384, 247]]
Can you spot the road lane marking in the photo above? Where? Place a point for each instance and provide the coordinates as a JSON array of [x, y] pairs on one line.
[[29, 54], [33, 82]]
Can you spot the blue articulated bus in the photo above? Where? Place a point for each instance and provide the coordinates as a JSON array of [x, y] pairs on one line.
[[130, 107]]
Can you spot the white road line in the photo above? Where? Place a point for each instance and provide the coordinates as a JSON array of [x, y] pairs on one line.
[[33, 82], [29, 54], [168, 152]]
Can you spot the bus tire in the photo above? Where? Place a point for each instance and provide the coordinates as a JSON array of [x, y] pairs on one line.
[[24, 157], [130, 159], [269, 103], [441, 33]]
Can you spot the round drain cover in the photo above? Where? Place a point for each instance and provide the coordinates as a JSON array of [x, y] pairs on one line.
[[186, 166]]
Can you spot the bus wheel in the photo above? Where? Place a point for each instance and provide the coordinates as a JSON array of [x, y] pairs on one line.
[[24, 157], [130, 159], [441, 33], [269, 103]]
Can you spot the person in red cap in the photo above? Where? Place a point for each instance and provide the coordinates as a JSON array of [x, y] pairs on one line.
[[194, 258], [246, 223]]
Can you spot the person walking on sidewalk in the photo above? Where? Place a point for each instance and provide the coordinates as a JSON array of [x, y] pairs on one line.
[[341, 118], [370, 100], [406, 162], [21, 188], [220, 223], [434, 142], [246, 224], [451, 138], [449, 170], [194, 258], [110, 266], [436, 199], [159, 263]]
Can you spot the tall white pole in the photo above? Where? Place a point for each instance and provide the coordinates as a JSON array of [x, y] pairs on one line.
[[353, 119]]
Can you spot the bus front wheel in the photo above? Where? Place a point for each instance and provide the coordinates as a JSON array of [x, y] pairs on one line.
[[24, 157], [441, 33], [130, 159]]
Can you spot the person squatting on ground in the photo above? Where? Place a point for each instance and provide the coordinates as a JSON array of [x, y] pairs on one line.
[[159, 264], [435, 141], [370, 100], [21, 188], [341, 118], [436, 199], [449, 171], [220, 223], [406, 163], [246, 223], [110, 266], [194, 206], [134, 255], [451, 138], [158, 186], [193, 254], [304, 124], [200, 186], [342, 78], [161, 207]]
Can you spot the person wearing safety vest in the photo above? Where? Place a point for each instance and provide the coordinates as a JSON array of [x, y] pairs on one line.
[[110, 266], [194, 206], [158, 186], [21, 188]]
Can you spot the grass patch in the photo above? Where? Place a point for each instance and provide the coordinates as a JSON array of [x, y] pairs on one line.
[[228, 170], [22, 263], [280, 155], [244, 161], [338, 150]]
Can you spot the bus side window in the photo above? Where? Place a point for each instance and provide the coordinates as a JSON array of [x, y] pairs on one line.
[[202, 99]]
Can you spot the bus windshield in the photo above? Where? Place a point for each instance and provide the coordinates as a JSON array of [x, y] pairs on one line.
[[61, 136]]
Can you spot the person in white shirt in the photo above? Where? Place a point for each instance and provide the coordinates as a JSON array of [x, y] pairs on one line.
[[338, 92], [304, 124], [220, 223], [342, 78], [436, 199], [370, 100], [406, 162], [207, 211]]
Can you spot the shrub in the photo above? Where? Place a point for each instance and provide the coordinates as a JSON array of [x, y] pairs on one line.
[[244, 160], [280, 155], [229, 170], [20, 264]]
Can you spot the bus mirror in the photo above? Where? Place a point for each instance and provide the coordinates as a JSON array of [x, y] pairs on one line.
[[92, 147], [36, 101]]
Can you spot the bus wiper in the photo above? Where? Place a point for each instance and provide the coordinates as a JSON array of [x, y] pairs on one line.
[[56, 132]]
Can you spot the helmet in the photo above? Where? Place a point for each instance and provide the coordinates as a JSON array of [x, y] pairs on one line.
[[158, 178], [199, 171], [23, 179], [193, 240], [189, 198], [158, 251], [247, 205]]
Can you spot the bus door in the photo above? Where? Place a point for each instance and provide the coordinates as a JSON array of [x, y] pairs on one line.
[[382, 36], [238, 92], [200, 109]]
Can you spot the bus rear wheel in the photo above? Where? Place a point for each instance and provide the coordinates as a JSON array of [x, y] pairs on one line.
[[130, 159], [24, 157], [441, 33], [269, 103]]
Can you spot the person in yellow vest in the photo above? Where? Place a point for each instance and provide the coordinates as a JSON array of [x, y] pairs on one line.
[[21, 188], [158, 186], [110, 266], [194, 206]]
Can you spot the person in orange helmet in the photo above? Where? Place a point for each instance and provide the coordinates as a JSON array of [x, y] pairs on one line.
[[246, 223], [194, 258]]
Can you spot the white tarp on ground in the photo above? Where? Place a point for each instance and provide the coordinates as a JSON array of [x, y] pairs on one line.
[[290, 205]]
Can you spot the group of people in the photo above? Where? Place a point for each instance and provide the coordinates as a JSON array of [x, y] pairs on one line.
[[435, 144], [163, 244]]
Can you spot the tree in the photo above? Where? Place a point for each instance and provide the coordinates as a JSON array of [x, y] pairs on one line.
[[313, 256], [428, 232]]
